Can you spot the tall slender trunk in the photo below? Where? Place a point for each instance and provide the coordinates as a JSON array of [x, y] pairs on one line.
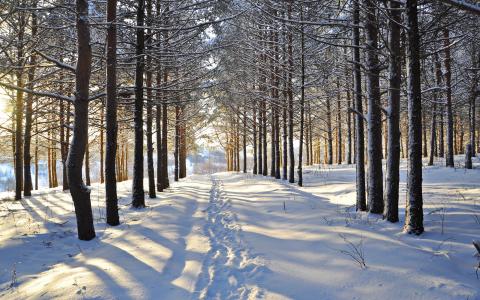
[[302, 99], [473, 108], [260, 139], [19, 109], [36, 154], [80, 193], [183, 145], [433, 137], [158, 136], [349, 125], [244, 138], [285, 130], [448, 81], [254, 138], [102, 149], [375, 172], [291, 150], [414, 209], [393, 121], [27, 158], [164, 157], [111, 117], [264, 136], [138, 193], [441, 133], [329, 132], [149, 84], [339, 125], [359, 126], [177, 141]]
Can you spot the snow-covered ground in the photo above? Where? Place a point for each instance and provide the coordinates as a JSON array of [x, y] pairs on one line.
[[239, 236]]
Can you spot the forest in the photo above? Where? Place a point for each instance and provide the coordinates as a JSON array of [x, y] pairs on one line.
[[239, 149]]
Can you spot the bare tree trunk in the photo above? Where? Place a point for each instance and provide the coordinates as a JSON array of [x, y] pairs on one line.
[[339, 125], [433, 137], [254, 125], [473, 108], [349, 125], [285, 130], [361, 204], [177, 141], [102, 138], [393, 144], [183, 145], [375, 172], [244, 137], [329, 132], [448, 81], [19, 110], [138, 193], [264, 142], [27, 158], [149, 82], [36, 155], [302, 101], [80, 193], [111, 117], [414, 209]]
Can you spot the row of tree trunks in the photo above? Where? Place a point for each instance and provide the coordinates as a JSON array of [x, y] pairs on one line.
[[122, 163]]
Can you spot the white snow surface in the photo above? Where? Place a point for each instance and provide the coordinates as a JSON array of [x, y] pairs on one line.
[[239, 236]]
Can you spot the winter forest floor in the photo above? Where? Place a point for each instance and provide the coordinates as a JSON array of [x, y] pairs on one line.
[[239, 236]]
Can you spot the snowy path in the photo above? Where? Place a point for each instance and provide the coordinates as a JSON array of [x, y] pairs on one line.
[[239, 236], [228, 265]]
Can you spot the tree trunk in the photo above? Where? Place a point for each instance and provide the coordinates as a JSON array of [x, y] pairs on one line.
[[302, 101], [138, 193], [433, 137], [329, 133], [359, 129], [19, 110], [393, 143], [375, 172], [177, 142], [448, 81], [80, 193], [244, 138], [27, 158], [111, 117], [254, 125], [339, 125], [414, 208], [149, 82]]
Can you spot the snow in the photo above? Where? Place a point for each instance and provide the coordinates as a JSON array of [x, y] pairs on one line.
[[240, 236]]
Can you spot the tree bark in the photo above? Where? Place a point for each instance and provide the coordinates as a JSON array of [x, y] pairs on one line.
[[81, 193], [111, 117], [19, 109], [149, 82], [393, 143], [359, 126], [375, 172], [448, 81], [27, 158], [414, 207], [138, 193], [302, 99]]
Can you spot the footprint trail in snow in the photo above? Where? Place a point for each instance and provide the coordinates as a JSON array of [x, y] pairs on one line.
[[228, 266]]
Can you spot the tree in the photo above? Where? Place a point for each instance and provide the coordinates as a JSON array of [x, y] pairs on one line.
[[79, 191], [414, 208]]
